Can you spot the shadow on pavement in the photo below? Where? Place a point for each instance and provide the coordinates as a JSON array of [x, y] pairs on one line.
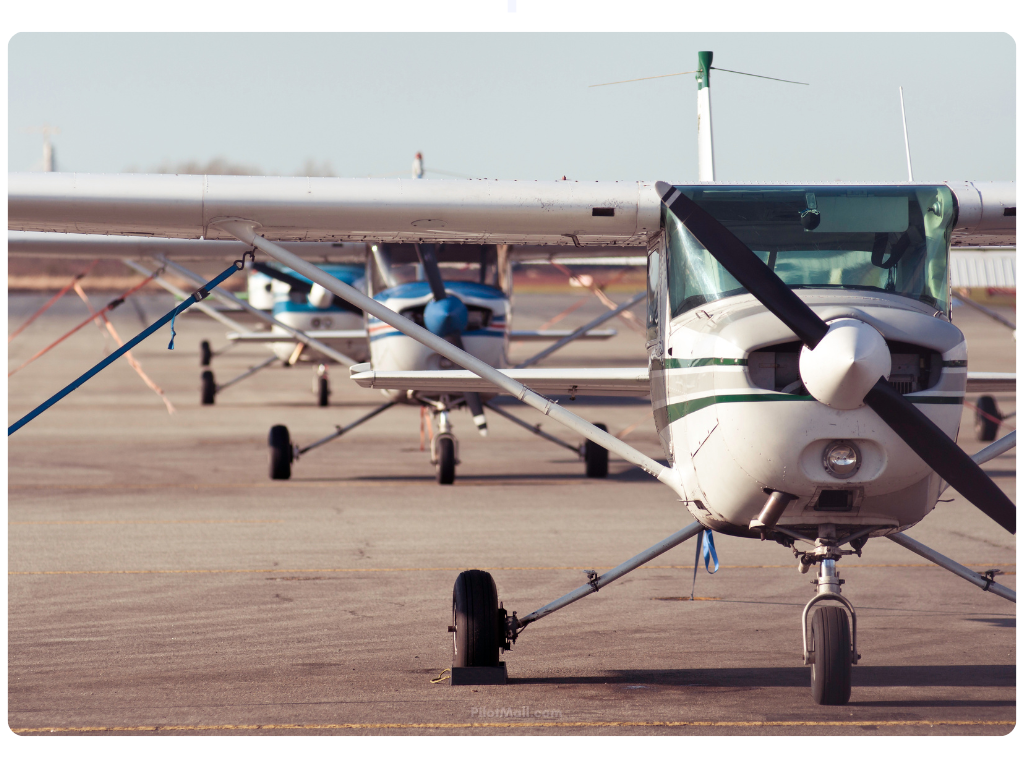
[[963, 675]]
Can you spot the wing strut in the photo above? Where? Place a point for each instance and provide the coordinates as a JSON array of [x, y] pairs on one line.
[[244, 231]]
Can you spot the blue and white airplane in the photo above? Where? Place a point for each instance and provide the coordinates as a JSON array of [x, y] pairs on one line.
[[475, 315]]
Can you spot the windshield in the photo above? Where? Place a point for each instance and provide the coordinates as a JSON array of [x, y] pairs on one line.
[[892, 239]]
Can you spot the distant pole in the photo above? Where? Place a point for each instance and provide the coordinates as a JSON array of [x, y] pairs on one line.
[[906, 137], [48, 159]]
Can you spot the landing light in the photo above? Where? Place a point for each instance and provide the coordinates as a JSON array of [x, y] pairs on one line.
[[841, 459]]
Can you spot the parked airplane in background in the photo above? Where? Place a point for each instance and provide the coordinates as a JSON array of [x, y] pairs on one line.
[[303, 323]]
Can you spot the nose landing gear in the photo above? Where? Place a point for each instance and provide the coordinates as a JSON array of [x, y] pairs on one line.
[[830, 641], [444, 450]]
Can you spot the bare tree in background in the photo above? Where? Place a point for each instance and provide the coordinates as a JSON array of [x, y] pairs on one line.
[[221, 166]]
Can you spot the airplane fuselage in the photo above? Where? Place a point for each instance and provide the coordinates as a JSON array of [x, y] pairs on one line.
[[734, 418], [485, 337]]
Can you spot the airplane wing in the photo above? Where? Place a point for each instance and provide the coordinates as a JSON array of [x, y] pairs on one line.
[[991, 382], [986, 213], [52, 245], [270, 336], [559, 213], [388, 210], [546, 381], [595, 335]]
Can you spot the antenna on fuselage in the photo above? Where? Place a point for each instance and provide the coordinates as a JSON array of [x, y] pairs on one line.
[[705, 142], [906, 137]]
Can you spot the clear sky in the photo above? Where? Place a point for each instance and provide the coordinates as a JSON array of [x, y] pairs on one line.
[[517, 105]]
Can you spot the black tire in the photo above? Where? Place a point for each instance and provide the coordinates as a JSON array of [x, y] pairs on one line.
[[323, 392], [830, 671], [207, 388], [477, 635], [280, 443], [985, 428], [445, 461], [205, 353], [596, 457]]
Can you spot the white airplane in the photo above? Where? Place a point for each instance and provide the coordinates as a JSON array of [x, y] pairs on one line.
[[806, 378]]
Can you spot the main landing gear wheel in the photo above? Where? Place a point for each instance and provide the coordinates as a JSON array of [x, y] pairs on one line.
[[207, 388], [596, 456], [323, 392], [446, 463], [830, 671], [280, 452], [205, 353], [475, 618], [987, 418]]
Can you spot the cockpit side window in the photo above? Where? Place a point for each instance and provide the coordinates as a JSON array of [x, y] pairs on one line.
[[655, 295]]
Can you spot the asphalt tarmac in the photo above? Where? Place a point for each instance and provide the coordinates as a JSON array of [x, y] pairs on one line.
[[160, 582]]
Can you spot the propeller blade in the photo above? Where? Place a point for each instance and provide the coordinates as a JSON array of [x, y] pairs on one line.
[[428, 258], [919, 432], [295, 282], [744, 265], [477, 409], [941, 454]]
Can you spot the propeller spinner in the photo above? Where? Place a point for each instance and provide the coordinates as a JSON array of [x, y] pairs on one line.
[[447, 317], [861, 355]]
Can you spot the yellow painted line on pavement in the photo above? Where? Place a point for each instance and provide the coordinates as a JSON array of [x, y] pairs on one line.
[[428, 570], [133, 522], [518, 724]]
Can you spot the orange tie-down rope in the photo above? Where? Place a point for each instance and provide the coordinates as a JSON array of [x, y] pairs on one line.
[[127, 355], [628, 317], [52, 301], [115, 303]]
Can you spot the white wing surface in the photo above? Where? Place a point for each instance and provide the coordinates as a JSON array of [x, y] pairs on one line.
[[270, 336], [51, 245], [545, 381], [394, 210], [389, 210], [595, 335]]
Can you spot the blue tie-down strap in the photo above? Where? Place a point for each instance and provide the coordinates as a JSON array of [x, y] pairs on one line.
[[708, 550], [705, 545], [199, 295]]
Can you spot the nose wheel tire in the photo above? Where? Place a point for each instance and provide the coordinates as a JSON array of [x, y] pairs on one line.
[[446, 462], [207, 388], [596, 457], [830, 670], [475, 618], [205, 353], [323, 392], [280, 453], [987, 419]]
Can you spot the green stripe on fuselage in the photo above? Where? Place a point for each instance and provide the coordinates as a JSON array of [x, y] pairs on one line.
[[699, 362], [676, 411]]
